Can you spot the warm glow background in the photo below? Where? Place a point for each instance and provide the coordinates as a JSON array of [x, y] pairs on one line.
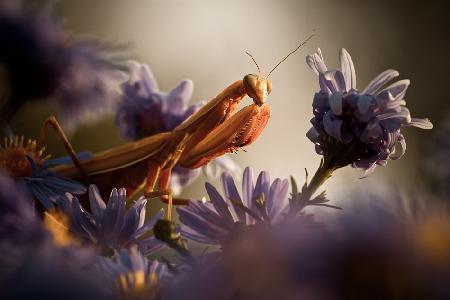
[[205, 41]]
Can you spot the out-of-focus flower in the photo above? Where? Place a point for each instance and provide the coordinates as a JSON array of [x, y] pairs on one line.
[[33, 264], [24, 162], [42, 61], [358, 128], [145, 111], [435, 160], [112, 225], [370, 253], [216, 221], [132, 276], [18, 223]]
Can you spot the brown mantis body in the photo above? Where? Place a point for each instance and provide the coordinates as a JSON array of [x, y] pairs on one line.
[[212, 131]]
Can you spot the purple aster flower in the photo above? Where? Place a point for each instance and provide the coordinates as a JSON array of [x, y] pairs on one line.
[[215, 221], [358, 128], [145, 110], [42, 61], [132, 276], [24, 162], [112, 225]]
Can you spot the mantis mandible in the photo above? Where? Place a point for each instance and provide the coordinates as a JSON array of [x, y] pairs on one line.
[[209, 133]]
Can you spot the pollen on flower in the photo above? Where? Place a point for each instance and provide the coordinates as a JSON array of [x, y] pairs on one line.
[[136, 285], [57, 224], [14, 153]]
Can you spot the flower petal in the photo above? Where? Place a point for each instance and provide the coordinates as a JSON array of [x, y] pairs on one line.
[[313, 135], [277, 201], [348, 70], [96, 202], [332, 126], [377, 83], [247, 187], [398, 89], [335, 102], [402, 143], [231, 193], [316, 63], [179, 97], [420, 123], [219, 204]]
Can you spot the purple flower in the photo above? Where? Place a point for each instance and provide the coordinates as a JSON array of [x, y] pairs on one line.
[[215, 221], [42, 61], [145, 110], [129, 274], [24, 162], [364, 126], [112, 225]]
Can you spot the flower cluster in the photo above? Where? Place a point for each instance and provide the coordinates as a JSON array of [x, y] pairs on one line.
[[216, 221], [366, 124], [112, 226]]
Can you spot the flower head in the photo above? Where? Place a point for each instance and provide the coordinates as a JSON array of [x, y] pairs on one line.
[[132, 275], [358, 128], [145, 110], [42, 61], [112, 225], [213, 222], [24, 162]]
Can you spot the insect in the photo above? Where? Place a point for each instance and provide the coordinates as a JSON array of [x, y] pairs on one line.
[[212, 131]]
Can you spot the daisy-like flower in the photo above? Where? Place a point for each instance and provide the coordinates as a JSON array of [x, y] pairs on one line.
[[145, 110], [361, 128], [112, 225], [132, 276], [24, 162], [213, 222], [41, 61]]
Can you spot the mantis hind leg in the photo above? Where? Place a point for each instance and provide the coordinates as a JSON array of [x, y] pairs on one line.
[[53, 123], [164, 185], [164, 192]]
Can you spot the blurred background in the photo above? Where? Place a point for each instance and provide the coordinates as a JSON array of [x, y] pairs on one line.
[[205, 41]]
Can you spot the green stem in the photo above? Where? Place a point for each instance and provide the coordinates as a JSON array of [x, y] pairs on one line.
[[324, 172]]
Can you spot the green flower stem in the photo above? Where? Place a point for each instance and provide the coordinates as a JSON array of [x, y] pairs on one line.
[[324, 172], [305, 197]]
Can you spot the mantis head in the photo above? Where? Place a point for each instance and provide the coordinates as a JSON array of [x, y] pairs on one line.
[[257, 88]]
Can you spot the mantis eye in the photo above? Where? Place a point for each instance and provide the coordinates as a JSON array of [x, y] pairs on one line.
[[257, 88]]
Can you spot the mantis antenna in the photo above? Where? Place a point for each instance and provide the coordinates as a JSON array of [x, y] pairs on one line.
[[290, 53], [251, 56]]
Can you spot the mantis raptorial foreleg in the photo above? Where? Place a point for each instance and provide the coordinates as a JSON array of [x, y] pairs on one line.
[[53, 123]]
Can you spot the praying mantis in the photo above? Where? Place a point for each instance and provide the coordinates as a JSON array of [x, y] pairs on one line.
[[212, 131]]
